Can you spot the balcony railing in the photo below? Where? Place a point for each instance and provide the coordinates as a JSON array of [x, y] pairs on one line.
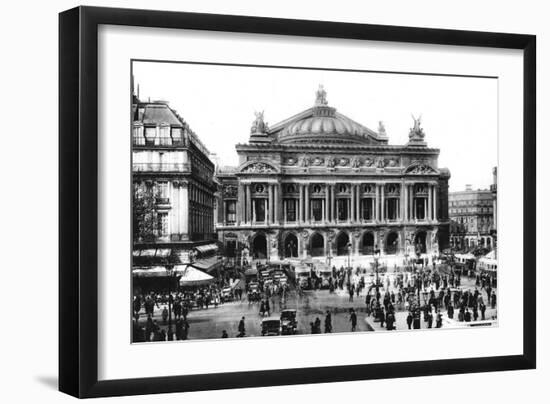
[[157, 142], [161, 167]]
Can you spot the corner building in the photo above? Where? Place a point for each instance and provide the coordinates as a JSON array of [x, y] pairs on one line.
[[169, 158], [319, 184]]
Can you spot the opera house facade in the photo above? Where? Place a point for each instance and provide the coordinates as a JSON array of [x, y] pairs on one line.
[[320, 185]]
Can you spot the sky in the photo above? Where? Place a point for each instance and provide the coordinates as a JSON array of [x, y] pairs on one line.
[[459, 114]]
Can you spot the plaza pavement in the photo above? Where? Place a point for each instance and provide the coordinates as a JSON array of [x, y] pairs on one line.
[[209, 323]]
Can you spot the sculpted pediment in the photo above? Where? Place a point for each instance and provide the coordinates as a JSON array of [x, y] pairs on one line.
[[420, 168], [258, 167]]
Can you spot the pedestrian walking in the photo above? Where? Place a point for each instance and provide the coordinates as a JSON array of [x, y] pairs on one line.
[[328, 323], [409, 320], [242, 330], [353, 319]]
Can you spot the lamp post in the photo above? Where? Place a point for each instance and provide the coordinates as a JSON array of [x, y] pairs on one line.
[[171, 272], [329, 259], [349, 245], [376, 258]]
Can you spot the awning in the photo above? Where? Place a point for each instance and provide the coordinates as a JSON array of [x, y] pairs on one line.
[[468, 256], [152, 252], [207, 264], [192, 276], [158, 272], [208, 248]]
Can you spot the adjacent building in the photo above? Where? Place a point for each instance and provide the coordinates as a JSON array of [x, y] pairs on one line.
[[322, 185], [173, 189], [472, 213]]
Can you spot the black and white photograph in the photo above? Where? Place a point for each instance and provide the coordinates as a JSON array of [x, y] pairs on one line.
[[281, 201]]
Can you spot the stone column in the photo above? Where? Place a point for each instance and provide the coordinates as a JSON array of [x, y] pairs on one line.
[[326, 211], [248, 205], [377, 203], [411, 199], [426, 213], [276, 204], [352, 202], [435, 203], [269, 216], [382, 205], [184, 194], [301, 204], [402, 203], [332, 203], [306, 207], [430, 204], [358, 203]]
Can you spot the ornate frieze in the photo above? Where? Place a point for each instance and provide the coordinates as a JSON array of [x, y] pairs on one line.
[[259, 168], [421, 168]]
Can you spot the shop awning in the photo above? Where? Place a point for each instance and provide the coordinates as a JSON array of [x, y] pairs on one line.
[[207, 249], [192, 276], [152, 252], [143, 272], [207, 264]]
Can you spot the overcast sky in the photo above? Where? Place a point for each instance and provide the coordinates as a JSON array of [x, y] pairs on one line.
[[459, 114]]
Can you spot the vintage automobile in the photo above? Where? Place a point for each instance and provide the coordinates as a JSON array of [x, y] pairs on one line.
[[253, 292], [288, 322], [271, 326], [227, 294], [303, 276], [325, 274]]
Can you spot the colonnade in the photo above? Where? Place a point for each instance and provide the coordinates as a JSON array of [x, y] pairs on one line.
[[339, 203]]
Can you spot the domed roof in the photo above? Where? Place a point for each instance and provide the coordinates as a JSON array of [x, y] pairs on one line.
[[323, 124]]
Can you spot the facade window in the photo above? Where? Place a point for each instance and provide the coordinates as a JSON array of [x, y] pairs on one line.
[[150, 136], [342, 206], [392, 206], [259, 208], [164, 136], [290, 210], [367, 212], [163, 224], [231, 211], [420, 212], [317, 209]]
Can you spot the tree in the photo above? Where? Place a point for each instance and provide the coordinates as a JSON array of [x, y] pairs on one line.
[[145, 217]]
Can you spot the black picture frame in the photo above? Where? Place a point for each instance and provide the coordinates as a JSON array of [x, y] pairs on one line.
[[78, 196]]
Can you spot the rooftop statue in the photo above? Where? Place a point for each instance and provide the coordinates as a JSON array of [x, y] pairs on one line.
[[321, 96], [381, 128], [259, 125], [416, 131]]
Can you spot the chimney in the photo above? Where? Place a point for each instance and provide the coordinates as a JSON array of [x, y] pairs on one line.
[[468, 187]]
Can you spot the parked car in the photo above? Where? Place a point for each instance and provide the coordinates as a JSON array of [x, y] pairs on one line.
[[227, 294], [288, 322], [271, 326]]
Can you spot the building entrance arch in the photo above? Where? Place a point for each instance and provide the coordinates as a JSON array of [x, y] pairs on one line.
[[317, 245], [367, 244], [259, 246], [392, 241], [290, 246], [420, 242], [342, 242]]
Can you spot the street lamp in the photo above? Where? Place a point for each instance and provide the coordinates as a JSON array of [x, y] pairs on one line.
[[170, 271], [349, 245], [376, 258]]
